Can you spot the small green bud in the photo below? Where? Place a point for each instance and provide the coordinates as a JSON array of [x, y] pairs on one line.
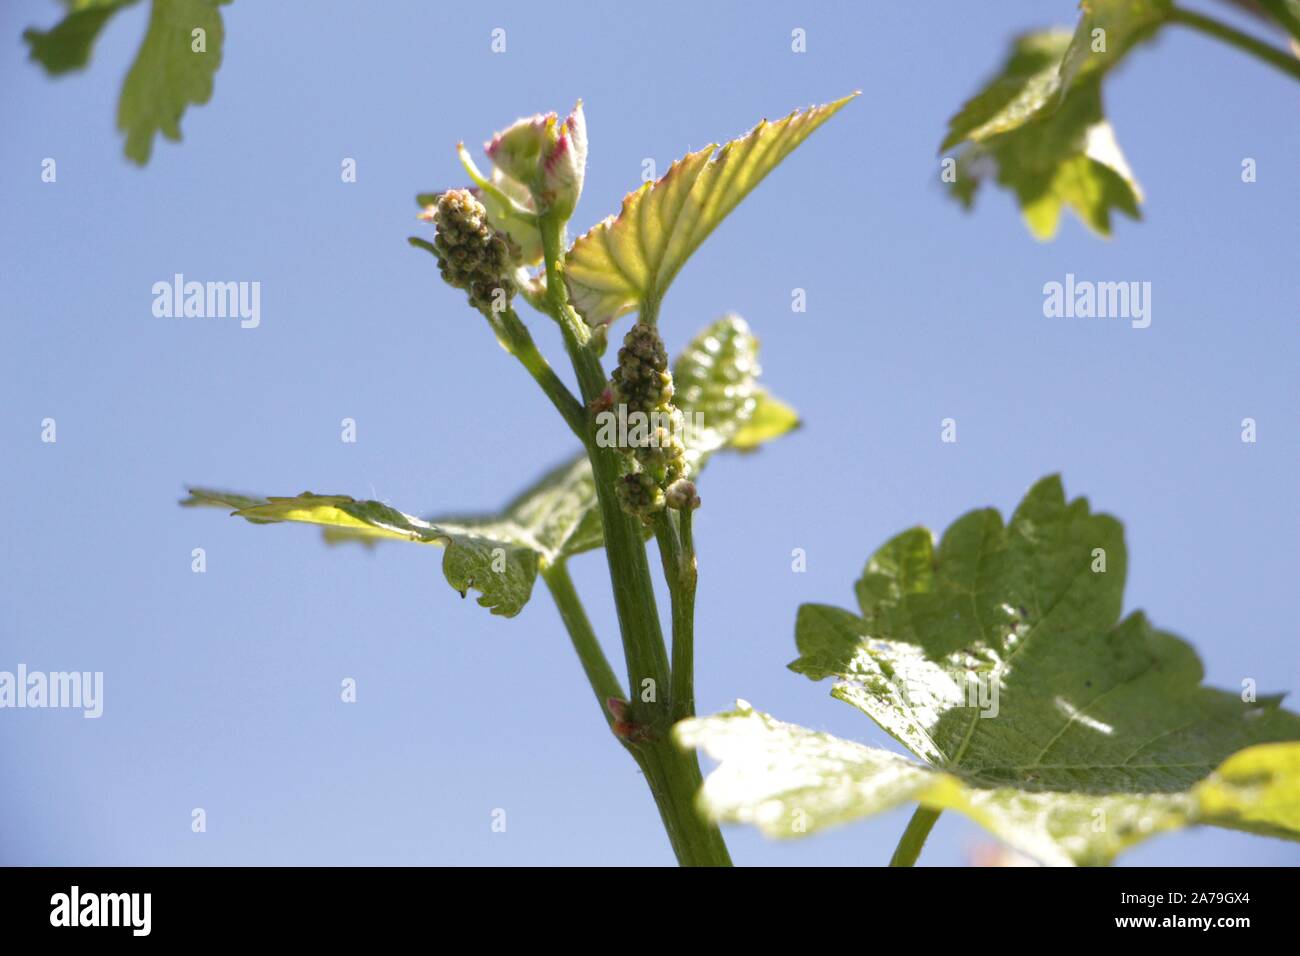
[[517, 149], [681, 495], [640, 495], [547, 155]]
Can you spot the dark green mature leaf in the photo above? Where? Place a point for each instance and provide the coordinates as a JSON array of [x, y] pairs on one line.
[[1039, 129], [168, 74], [999, 658]]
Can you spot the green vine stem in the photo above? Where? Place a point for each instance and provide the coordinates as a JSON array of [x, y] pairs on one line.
[[634, 598], [515, 337], [677, 549], [1271, 55], [600, 675], [918, 828], [674, 778], [684, 645], [673, 775]]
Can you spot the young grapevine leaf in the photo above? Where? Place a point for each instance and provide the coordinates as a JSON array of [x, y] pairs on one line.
[[1000, 659], [716, 386], [629, 260], [557, 516], [498, 568]]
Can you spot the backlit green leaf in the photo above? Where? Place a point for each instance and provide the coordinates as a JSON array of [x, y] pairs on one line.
[[790, 781], [557, 516], [1038, 127], [716, 386], [629, 260], [498, 568], [771, 419], [1000, 659], [1257, 789], [168, 73]]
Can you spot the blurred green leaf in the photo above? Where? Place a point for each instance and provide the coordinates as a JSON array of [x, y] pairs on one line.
[[771, 419], [67, 45], [715, 382], [1038, 127], [168, 73], [999, 659], [1287, 15], [1257, 790]]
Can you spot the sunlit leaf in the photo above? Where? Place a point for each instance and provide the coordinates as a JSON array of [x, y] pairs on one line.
[[790, 781], [999, 658], [630, 259], [771, 419], [498, 568], [557, 516], [215, 498], [1257, 790], [716, 386]]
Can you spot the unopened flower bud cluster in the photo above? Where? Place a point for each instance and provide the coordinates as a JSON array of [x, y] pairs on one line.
[[643, 384]]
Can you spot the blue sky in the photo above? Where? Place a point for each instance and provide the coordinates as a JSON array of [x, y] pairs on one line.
[[222, 689]]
